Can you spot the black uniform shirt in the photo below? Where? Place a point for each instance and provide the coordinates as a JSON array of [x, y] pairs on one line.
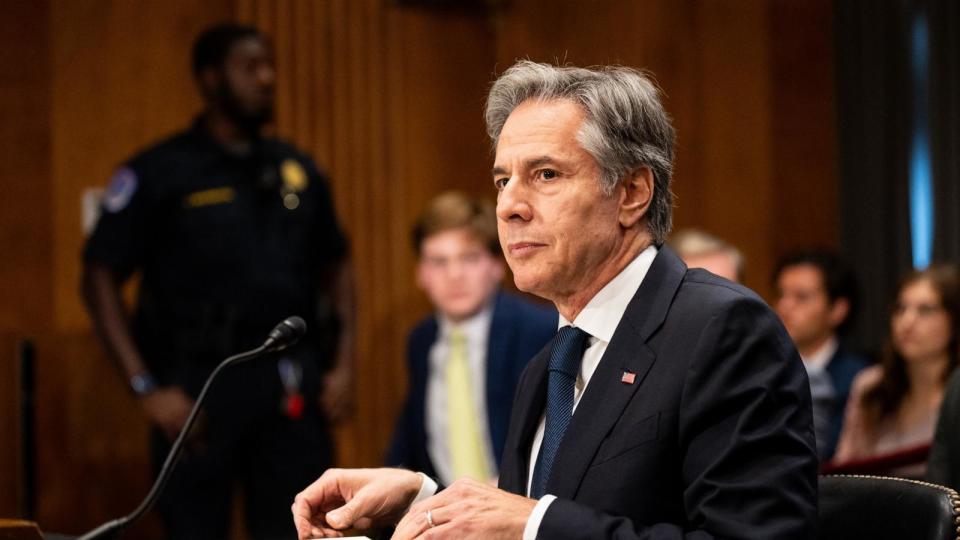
[[227, 245]]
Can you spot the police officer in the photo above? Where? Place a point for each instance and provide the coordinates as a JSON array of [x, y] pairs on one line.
[[231, 232]]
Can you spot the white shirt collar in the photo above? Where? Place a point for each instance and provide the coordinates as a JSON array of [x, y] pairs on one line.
[[818, 361], [603, 312]]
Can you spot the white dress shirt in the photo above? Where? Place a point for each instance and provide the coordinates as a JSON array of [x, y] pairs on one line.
[[476, 331]]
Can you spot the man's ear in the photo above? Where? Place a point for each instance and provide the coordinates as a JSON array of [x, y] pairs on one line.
[[420, 274], [635, 197], [839, 312]]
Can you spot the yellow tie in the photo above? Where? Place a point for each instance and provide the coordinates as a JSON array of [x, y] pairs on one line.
[[467, 452]]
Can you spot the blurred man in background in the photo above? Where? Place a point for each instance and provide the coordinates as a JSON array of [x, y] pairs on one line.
[[231, 232], [703, 250], [464, 361], [816, 300]]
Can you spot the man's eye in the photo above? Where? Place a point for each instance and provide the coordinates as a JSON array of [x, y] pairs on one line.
[[500, 183], [548, 174]]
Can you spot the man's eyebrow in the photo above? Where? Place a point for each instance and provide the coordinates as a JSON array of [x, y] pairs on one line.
[[539, 162], [532, 163]]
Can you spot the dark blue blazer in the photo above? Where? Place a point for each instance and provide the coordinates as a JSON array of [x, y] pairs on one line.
[[842, 368], [518, 330], [711, 437]]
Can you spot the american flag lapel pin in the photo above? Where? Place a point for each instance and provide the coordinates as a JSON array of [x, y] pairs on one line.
[[628, 377]]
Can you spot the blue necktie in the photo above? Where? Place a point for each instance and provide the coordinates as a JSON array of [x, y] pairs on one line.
[[564, 366]]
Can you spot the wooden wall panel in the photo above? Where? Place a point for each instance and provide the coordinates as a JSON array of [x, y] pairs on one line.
[[25, 224], [804, 126], [735, 187], [92, 463]]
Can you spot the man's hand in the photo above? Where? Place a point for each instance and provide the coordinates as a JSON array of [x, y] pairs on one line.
[[359, 498], [468, 509], [337, 395], [168, 408]]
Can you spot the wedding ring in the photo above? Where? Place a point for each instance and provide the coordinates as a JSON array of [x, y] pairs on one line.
[[430, 519]]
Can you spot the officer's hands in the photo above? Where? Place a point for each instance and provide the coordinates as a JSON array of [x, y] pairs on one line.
[[168, 408], [358, 498], [337, 396]]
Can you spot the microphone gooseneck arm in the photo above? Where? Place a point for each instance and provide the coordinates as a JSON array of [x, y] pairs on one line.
[[282, 336]]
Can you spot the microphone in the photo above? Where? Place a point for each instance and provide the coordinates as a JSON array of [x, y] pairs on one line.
[[288, 332], [283, 335]]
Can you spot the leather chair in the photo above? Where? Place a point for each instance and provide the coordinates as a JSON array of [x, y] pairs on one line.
[[881, 508]]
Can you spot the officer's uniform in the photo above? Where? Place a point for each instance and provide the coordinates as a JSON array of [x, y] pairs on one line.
[[228, 246]]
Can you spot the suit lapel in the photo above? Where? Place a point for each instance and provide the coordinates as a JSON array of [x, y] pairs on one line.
[[527, 409], [606, 396]]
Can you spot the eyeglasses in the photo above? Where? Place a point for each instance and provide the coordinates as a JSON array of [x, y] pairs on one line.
[[922, 310]]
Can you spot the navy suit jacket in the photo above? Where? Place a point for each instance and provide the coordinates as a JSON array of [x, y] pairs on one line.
[[842, 368], [712, 439], [518, 330]]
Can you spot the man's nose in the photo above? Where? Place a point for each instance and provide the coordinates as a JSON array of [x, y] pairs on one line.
[[513, 202]]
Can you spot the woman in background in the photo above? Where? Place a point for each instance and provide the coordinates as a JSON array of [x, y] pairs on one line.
[[894, 406]]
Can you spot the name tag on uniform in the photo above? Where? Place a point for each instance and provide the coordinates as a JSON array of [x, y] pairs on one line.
[[208, 197]]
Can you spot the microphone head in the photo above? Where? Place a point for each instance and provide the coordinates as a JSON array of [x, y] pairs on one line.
[[285, 334]]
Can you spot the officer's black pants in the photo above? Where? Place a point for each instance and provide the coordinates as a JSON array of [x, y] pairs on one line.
[[244, 440]]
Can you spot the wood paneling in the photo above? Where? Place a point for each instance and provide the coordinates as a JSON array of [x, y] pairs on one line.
[[805, 171], [25, 224], [92, 463]]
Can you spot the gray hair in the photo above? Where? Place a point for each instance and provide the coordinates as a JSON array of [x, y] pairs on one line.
[[625, 128]]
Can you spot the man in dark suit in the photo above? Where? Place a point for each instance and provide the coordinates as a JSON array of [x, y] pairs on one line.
[[455, 420], [671, 403], [816, 301]]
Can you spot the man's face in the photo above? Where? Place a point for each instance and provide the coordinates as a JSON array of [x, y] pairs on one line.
[[557, 229], [804, 305], [246, 82], [458, 273]]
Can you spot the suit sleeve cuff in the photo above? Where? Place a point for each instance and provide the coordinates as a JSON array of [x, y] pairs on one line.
[[533, 522]]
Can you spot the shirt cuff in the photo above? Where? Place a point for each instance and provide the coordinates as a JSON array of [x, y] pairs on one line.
[[427, 489], [533, 522]]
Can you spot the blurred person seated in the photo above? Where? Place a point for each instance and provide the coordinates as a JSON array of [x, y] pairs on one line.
[[894, 406], [699, 249], [464, 361], [816, 300], [943, 466]]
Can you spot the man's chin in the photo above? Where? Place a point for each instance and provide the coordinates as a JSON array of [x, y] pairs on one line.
[[528, 284]]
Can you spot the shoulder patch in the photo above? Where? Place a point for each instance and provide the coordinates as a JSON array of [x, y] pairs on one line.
[[121, 189]]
